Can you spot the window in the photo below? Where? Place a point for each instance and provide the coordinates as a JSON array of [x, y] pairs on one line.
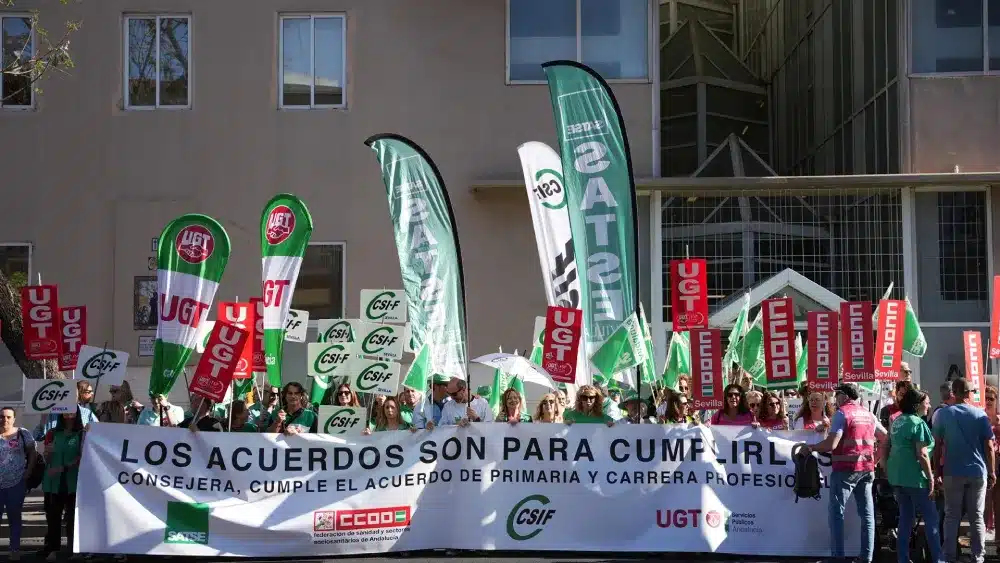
[[956, 36], [18, 48], [157, 62], [313, 61], [15, 263], [320, 287], [610, 36]]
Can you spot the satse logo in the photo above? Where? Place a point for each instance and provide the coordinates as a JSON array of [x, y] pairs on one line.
[[280, 224], [187, 522], [378, 340], [383, 304], [341, 421], [365, 519], [194, 244], [529, 517], [49, 394], [101, 364], [888, 351]]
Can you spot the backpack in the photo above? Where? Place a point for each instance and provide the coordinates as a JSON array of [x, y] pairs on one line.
[[35, 472], [807, 481]]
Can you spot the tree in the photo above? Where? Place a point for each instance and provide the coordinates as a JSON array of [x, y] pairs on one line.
[[24, 64]]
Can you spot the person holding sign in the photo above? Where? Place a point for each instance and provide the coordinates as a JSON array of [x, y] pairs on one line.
[[429, 412], [261, 413], [736, 411], [677, 410], [814, 414], [460, 411], [63, 449], [511, 408], [241, 418], [772, 412], [387, 418], [294, 417]]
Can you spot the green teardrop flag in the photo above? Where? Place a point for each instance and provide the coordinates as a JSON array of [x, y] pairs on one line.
[[191, 256], [285, 229]]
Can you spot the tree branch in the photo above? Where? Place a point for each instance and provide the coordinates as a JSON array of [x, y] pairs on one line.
[[35, 59], [12, 334]]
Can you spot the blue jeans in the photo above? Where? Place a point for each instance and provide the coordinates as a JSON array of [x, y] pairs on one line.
[[11, 502], [910, 500], [842, 484]]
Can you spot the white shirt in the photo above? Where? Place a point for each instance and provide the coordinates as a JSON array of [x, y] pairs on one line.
[[453, 411]]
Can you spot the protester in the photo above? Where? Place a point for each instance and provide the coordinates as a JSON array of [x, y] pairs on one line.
[[512, 408], [947, 399], [203, 418], [345, 397], [993, 494], [754, 400], [122, 394], [63, 449], [905, 373], [562, 397], [635, 409], [161, 413], [407, 399], [910, 473], [261, 413], [891, 410], [294, 416], [965, 441], [387, 418], [772, 412], [851, 441], [84, 399], [374, 406], [17, 456], [461, 410], [735, 410], [589, 408], [111, 411], [684, 384], [549, 409], [429, 412], [678, 410], [241, 418], [814, 414]]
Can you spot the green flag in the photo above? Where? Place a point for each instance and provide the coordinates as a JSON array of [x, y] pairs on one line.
[[914, 342], [678, 359], [740, 328], [600, 190], [750, 352], [624, 349], [649, 363], [418, 374], [285, 228], [191, 255], [802, 359], [430, 257]]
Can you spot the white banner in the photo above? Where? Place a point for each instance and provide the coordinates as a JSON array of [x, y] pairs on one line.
[[630, 488], [543, 178]]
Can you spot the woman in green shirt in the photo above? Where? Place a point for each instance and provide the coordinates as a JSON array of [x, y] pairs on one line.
[[295, 417], [512, 408], [63, 448], [911, 474], [589, 408], [388, 419]]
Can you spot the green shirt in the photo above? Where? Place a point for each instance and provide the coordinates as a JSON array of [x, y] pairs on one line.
[[247, 427], [904, 469], [525, 417], [406, 415], [403, 425], [577, 417], [306, 420], [66, 451]]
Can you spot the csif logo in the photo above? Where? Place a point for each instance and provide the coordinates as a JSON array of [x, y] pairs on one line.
[[100, 365], [330, 358], [372, 376], [341, 421], [49, 395], [549, 188], [340, 331], [194, 244], [187, 522], [280, 224], [529, 517], [378, 340], [383, 304]]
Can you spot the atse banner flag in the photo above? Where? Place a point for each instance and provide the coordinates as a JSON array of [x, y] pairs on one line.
[[240, 315], [215, 370], [257, 337], [821, 366], [39, 307], [974, 365], [995, 320], [689, 293], [856, 341], [889, 343], [706, 368], [779, 341], [72, 335], [563, 329]]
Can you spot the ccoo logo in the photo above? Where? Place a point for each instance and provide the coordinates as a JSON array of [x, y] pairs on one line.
[[194, 244], [529, 517], [280, 224], [549, 189], [100, 365], [49, 394]]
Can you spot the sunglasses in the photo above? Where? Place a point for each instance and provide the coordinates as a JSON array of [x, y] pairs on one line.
[[774, 403], [343, 393], [549, 401], [683, 403], [754, 405]]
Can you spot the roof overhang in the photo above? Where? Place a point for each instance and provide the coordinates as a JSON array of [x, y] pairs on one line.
[[773, 285]]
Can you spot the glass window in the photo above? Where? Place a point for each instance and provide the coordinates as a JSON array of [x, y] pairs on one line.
[[948, 36], [993, 32], [320, 287], [610, 36], [157, 62], [15, 263], [313, 55], [18, 48]]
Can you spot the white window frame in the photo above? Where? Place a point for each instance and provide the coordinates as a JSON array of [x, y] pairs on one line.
[[125, 50], [651, 25], [985, 55], [314, 323], [31, 255], [34, 47], [312, 59]]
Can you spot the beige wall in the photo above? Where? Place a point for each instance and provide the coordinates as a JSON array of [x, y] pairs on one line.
[[955, 122], [90, 184]]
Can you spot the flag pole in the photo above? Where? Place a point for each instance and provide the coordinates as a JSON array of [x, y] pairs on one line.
[[45, 371]]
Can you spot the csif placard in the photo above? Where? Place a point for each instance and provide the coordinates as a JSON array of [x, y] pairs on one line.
[[383, 305], [100, 365]]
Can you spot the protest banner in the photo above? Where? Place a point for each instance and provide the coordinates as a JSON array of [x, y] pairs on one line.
[[822, 366], [561, 348], [491, 486], [383, 305], [778, 322], [72, 335], [889, 342], [689, 293], [240, 315], [296, 325], [100, 365], [39, 307], [974, 366], [856, 351], [706, 368], [48, 396]]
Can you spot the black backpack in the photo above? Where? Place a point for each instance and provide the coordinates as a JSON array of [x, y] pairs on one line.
[[807, 480], [35, 472]]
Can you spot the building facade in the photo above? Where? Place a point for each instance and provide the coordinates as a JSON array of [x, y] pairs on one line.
[[179, 106]]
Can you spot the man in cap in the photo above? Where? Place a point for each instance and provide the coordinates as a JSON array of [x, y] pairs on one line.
[[462, 409], [428, 413], [851, 443]]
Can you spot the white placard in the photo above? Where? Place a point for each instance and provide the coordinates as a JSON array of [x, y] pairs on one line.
[[100, 365], [539, 332], [328, 359], [204, 331], [348, 421], [379, 377], [380, 341], [296, 325], [336, 330], [383, 305], [45, 396]]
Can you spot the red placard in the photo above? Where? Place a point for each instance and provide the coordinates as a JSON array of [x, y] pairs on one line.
[[72, 335], [974, 365], [706, 368], [779, 341], [257, 338], [856, 350], [215, 370], [563, 328], [889, 342], [689, 293], [39, 320], [995, 320], [821, 366], [240, 315]]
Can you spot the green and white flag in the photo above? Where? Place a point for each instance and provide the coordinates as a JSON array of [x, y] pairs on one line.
[[191, 255], [750, 352], [914, 342], [678, 359], [649, 362], [285, 228], [739, 330], [600, 191], [430, 257], [624, 349], [801, 359]]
